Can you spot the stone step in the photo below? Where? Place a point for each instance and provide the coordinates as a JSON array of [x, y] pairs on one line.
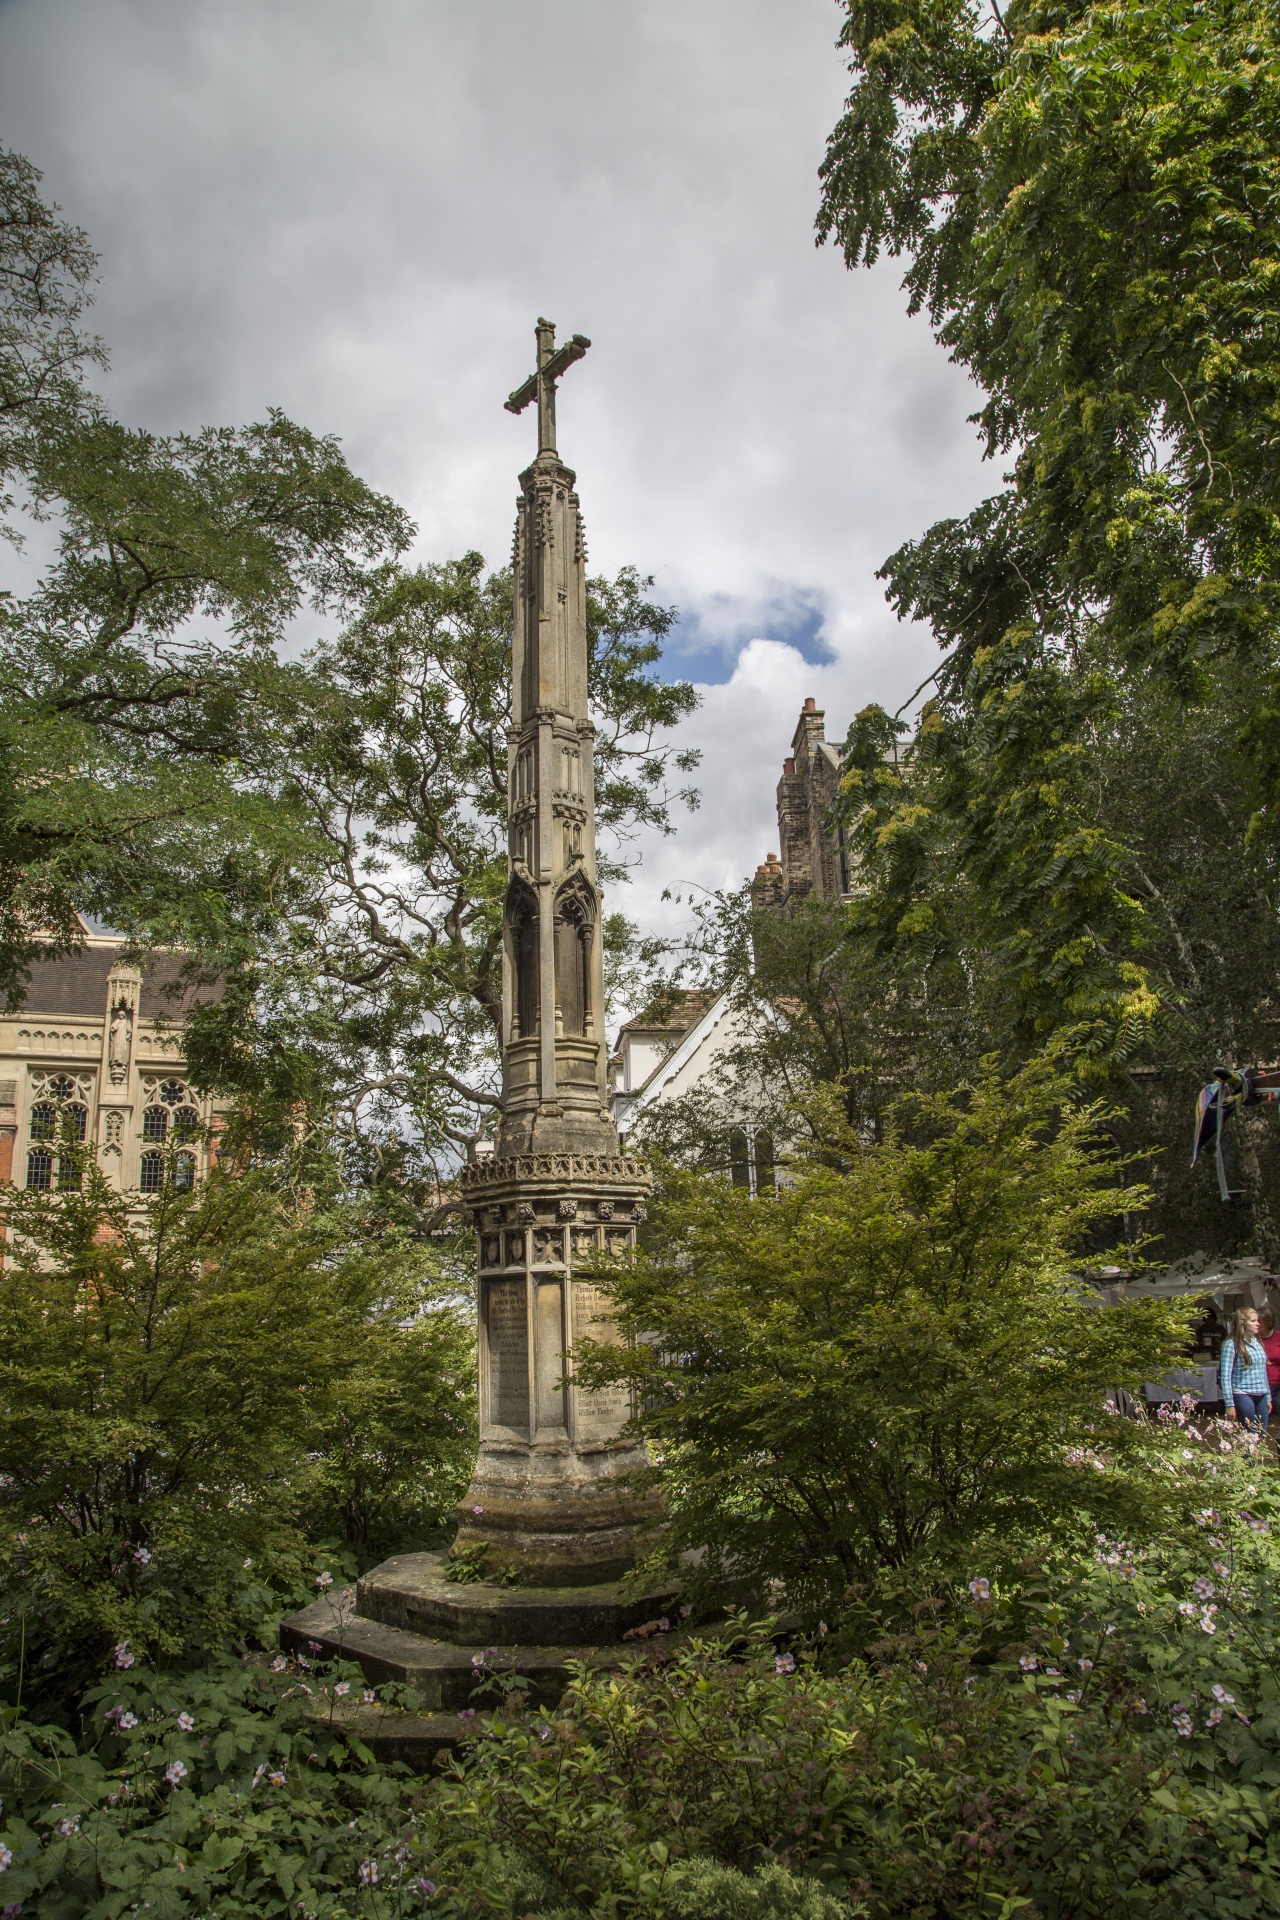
[[419, 1740], [443, 1673], [412, 1592]]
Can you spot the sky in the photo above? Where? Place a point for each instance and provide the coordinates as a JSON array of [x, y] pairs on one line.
[[356, 211]]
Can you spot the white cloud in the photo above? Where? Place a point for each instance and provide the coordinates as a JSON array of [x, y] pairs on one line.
[[356, 213]]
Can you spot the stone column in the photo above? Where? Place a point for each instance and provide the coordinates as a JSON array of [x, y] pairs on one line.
[[548, 1498]]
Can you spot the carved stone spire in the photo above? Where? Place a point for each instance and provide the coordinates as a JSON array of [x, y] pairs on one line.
[[554, 1056], [548, 1500]]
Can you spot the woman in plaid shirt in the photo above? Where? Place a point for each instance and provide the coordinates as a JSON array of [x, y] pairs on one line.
[[1244, 1372]]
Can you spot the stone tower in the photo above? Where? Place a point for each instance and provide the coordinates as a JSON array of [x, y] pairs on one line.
[[546, 1499]]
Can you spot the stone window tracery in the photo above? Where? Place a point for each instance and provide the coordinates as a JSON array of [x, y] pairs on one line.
[[59, 1113]]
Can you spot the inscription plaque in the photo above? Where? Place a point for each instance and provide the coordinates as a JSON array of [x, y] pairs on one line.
[[507, 1337], [550, 1355], [603, 1414]]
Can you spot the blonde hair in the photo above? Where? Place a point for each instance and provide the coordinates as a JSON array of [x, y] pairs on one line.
[[1238, 1333]]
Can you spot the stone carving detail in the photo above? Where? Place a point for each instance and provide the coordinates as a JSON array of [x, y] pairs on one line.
[[548, 1245], [577, 1169], [639, 1213], [508, 1339], [59, 1040], [120, 1038], [567, 1209], [526, 1213], [491, 1250], [605, 1209]]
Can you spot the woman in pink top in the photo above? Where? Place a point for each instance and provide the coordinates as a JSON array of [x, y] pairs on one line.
[[1269, 1336]]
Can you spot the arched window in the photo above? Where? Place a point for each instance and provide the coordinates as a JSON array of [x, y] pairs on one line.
[[75, 1124], [155, 1123], [151, 1172], [186, 1124], [184, 1172], [574, 932], [739, 1158], [751, 1161], [57, 1117], [522, 924]]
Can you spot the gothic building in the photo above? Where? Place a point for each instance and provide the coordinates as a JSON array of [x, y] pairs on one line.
[[95, 1055], [813, 852]]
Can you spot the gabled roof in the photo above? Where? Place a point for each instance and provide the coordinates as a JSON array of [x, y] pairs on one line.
[[670, 1068]]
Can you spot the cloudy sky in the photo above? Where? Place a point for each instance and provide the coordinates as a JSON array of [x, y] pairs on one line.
[[355, 210]]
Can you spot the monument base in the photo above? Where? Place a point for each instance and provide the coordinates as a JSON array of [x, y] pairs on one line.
[[557, 1516], [408, 1621]]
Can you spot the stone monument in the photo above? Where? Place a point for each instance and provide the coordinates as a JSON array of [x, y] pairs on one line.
[[546, 1501], [548, 1526]]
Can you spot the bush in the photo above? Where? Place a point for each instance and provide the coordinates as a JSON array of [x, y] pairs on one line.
[[236, 1789], [174, 1385], [893, 1357]]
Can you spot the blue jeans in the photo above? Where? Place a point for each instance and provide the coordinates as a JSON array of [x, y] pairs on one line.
[[1254, 1409]]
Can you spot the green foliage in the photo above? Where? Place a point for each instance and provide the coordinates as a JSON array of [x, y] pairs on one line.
[[890, 1360], [326, 836], [1087, 200], [239, 1788], [1098, 1737], [182, 1382], [640, 1772], [373, 992]]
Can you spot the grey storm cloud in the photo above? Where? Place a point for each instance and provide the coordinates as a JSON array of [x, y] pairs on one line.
[[356, 212]]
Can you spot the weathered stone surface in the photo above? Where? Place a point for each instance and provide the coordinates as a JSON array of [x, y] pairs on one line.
[[411, 1594], [443, 1672], [547, 1501]]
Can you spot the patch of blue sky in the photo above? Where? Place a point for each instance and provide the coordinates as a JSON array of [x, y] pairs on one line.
[[712, 630]]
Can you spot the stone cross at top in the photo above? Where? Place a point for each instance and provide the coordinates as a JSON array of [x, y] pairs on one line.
[[541, 386]]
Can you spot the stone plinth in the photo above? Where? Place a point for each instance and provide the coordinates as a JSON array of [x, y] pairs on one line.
[[409, 1622], [549, 1497]]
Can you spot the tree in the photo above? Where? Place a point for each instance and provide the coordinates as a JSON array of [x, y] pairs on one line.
[[375, 992], [890, 1361], [126, 676], [1088, 202], [326, 835], [176, 1378]]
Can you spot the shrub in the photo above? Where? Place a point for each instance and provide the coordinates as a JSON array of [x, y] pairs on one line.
[[236, 1789], [892, 1357], [170, 1379]]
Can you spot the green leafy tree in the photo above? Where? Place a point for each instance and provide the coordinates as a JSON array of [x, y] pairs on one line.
[[889, 1361], [1087, 202], [375, 994], [126, 676], [176, 1376], [326, 836]]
